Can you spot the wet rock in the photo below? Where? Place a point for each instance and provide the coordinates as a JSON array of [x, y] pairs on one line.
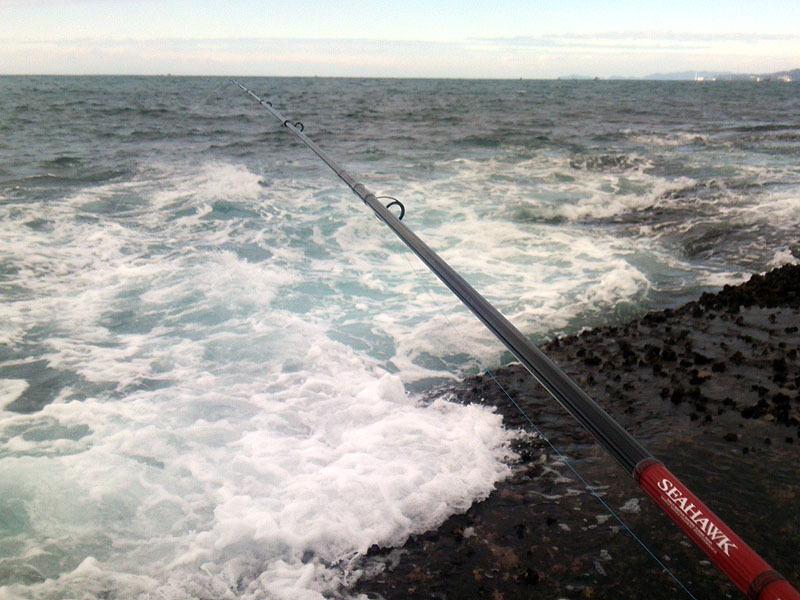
[[662, 377]]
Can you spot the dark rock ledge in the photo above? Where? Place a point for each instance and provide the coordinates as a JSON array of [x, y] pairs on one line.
[[711, 388]]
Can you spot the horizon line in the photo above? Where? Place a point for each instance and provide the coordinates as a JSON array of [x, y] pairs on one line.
[[728, 76]]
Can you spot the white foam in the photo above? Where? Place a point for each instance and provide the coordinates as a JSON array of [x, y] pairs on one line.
[[210, 435], [783, 256], [230, 412], [672, 139], [276, 489], [548, 187], [10, 390]]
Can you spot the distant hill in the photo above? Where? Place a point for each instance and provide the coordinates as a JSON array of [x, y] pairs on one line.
[[793, 75], [688, 76]]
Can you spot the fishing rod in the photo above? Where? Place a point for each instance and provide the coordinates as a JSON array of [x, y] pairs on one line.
[[746, 569]]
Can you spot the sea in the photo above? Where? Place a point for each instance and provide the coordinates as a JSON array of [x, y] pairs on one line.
[[222, 377]]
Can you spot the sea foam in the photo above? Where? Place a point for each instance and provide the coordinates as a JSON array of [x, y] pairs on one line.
[[199, 436]]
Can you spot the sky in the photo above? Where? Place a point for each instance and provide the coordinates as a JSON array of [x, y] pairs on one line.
[[408, 38]]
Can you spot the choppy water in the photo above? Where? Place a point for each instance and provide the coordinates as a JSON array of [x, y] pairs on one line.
[[213, 359]]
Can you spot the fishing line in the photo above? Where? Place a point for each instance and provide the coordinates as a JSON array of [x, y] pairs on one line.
[[191, 107], [745, 568], [462, 340], [589, 487]]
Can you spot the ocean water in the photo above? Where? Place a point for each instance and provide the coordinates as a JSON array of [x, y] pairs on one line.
[[222, 377]]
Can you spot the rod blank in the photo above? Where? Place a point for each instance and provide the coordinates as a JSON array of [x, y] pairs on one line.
[[751, 574]]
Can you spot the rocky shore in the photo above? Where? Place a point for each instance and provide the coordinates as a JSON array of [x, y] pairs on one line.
[[711, 388]]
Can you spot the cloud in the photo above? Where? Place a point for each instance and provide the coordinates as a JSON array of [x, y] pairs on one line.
[[253, 56], [592, 43], [635, 38], [684, 36], [615, 53], [735, 46], [10, 3]]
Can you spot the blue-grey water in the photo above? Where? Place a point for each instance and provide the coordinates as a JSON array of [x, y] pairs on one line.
[[213, 358]]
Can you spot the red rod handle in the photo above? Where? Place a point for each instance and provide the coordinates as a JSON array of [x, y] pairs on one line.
[[751, 574]]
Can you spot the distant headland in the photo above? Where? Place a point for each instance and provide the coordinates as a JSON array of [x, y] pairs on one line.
[[786, 76], [783, 76]]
